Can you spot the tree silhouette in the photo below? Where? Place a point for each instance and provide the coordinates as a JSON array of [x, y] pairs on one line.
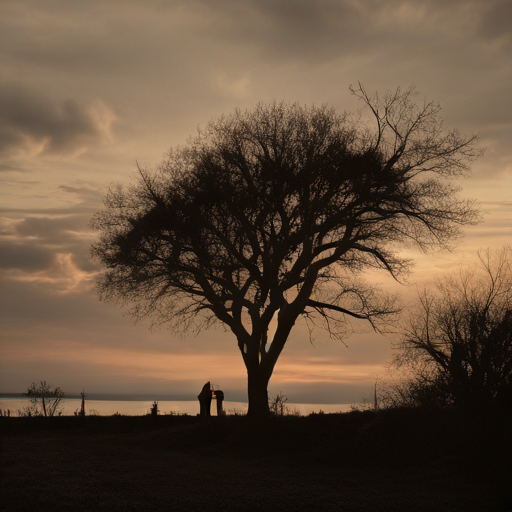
[[45, 399], [458, 340], [274, 213]]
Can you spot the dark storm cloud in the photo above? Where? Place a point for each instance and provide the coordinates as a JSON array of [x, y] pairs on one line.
[[29, 117]]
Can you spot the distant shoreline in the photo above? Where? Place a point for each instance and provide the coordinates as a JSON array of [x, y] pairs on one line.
[[152, 397], [112, 396], [108, 404]]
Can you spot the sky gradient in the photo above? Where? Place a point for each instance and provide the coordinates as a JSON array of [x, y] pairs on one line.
[[87, 89]]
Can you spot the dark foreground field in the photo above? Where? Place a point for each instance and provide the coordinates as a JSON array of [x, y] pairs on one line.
[[403, 460]]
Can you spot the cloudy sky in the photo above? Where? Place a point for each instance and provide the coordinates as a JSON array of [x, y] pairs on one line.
[[87, 89]]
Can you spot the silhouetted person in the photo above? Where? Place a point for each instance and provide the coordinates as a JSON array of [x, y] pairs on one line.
[[219, 395], [205, 400]]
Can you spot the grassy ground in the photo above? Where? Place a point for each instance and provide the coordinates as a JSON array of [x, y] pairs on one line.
[[404, 460]]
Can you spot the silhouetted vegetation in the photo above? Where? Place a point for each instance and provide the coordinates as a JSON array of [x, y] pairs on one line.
[[456, 347], [45, 400], [277, 213], [278, 406]]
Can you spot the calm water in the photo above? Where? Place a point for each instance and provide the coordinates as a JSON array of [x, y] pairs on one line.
[[141, 407]]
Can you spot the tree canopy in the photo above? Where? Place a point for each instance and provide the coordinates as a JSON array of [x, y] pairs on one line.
[[276, 212]]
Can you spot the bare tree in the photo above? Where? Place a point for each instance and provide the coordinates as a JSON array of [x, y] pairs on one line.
[[276, 213], [45, 399], [277, 405], [458, 340]]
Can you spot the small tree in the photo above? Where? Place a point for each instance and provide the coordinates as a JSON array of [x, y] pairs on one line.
[[277, 405], [457, 342], [45, 399], [274, 213]]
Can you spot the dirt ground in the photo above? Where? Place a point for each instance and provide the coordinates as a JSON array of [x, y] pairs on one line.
[[351, 462]]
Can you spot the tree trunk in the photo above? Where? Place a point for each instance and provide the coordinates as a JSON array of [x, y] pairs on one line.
[[257, 383], [260, 364]]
